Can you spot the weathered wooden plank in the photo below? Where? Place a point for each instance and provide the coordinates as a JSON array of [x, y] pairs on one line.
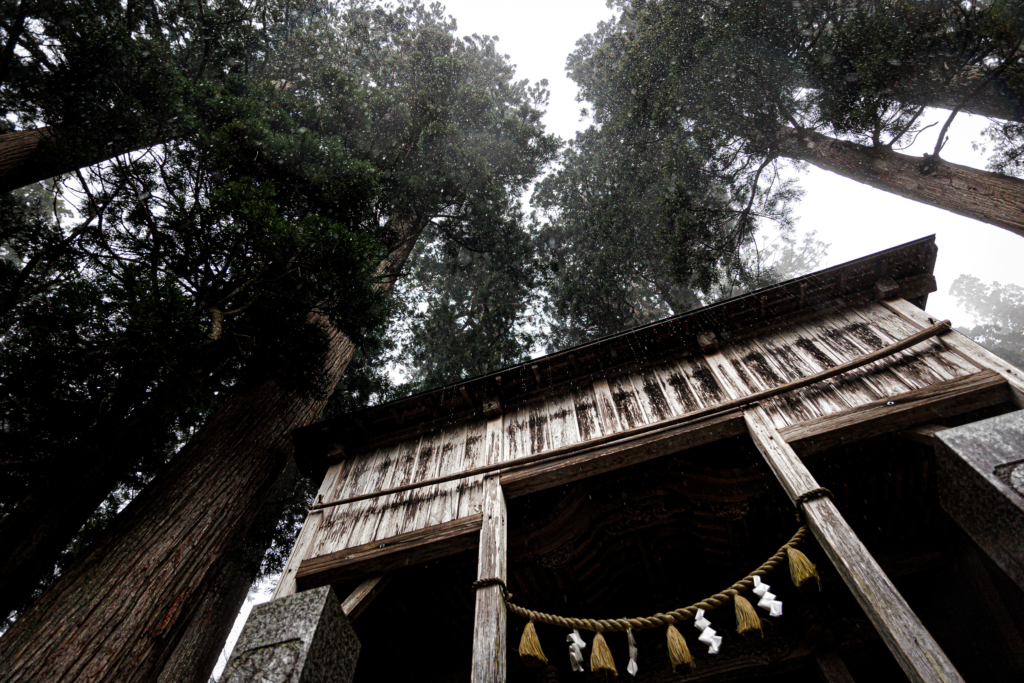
[[489, 633], [359, 599], [379, 557], [618, 454], [445, 506], [588, 418], [790, 365], [832, 667], [304, 543], [627, 403], [650, 395], [428, 462], [676, 389], [944, 399], [892, 326], [395, 506], [471, 489], [517, 433], [759, 372], [367, 514], [793, 346], [915, 650], [862, 330], [537, 424], [606, 407], [562, 420], [964, 346], [337, 528], [834, 338]]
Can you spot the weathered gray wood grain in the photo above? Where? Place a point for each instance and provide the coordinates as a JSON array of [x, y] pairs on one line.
[[489, 632]]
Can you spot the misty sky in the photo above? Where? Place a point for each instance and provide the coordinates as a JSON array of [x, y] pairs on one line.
[[854, 219]]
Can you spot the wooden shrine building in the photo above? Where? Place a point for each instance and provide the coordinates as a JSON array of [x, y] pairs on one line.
[[645, 471]]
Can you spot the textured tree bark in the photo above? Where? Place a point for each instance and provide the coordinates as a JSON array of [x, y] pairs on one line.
[[981, 195], [121, 611], [196, 654], [27, 156]]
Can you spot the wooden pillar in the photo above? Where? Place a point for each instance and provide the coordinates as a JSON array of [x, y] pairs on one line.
[[915, 650], [489, 633], [965, 347]]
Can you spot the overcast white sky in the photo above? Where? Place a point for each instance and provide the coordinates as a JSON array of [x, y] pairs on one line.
[[854, 219]]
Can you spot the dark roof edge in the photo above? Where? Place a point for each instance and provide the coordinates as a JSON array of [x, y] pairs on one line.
[[900, 263]]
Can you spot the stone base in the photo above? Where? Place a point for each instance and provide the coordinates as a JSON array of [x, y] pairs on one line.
[[304, 638], [981, 486]]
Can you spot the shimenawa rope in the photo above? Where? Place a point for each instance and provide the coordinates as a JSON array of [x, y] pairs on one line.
[[658, 620]]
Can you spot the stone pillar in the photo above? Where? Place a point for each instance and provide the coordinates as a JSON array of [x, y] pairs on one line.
[[303, 638], [981, 486]]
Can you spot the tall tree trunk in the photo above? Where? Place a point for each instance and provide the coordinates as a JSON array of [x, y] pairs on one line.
[[988, 197], [28, 156], [196, 654], [120, 612]]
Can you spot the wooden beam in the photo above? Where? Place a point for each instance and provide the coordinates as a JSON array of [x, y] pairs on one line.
[[965, 347], [952, 397], [618, 454], [833, 668], [923, 434], [359, 599], [489, 633], [915, 650], [431, 543]]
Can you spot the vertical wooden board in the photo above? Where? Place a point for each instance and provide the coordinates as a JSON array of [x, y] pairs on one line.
[[905, 364], [588, 417], [428, 461], [834, 339], [366, 511], [471, 490], [338, 523], [702, 382], [453, 449], [562, 420], [395, 506], [894, 328], [677, 390], [537, 424], [606, 407], [813, 342], [627, 403], [307, 535], [821, 397], [517, 433], [651, 395], [744, 380], [789, 347]]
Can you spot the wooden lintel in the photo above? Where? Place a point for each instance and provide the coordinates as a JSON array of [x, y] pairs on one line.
[[434, 542], [615, 455], [360, 598], [943, 399]]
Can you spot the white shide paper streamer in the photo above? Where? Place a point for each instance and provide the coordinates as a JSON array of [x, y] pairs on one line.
[[707, 634]]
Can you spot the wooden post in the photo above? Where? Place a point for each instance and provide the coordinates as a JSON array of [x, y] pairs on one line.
[[489, 633], [359, 599], [914, 648], [965, 347], [918, 654]]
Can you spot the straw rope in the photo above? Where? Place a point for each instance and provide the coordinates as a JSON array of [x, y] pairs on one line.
[[658, 620]]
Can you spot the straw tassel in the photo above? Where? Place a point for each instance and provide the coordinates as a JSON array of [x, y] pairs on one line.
[[801, 569], [601, 660], [529, 647], [747, 621], [678, 653]]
